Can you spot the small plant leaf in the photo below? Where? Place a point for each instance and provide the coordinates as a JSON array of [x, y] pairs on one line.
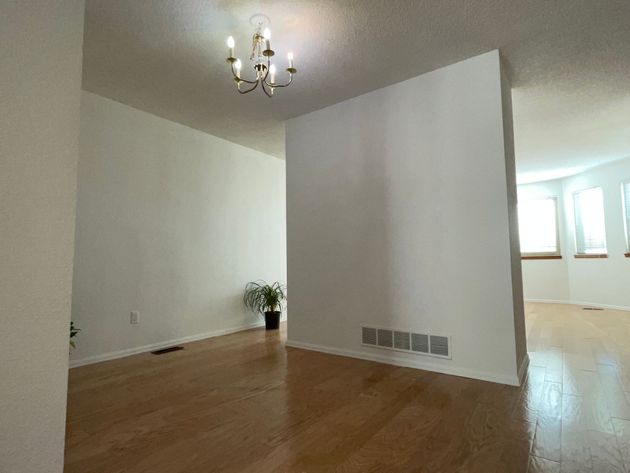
[[262, 297]]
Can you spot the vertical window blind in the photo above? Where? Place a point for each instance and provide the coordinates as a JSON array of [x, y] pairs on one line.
[[590, 228], [538, 227], [626, 211]]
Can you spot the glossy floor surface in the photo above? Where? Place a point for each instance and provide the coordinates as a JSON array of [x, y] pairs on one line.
[[245, 403]]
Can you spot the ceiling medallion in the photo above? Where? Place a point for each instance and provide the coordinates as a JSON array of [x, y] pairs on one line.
[[265, 71]]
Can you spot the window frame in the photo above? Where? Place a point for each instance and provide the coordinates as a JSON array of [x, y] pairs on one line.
[[538, 255], [577, 254], [624, 209]]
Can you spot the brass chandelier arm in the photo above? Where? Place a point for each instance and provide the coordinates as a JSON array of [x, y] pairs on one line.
[[240, 78], [267, 93], [248, 90], [275, 86], [263, 79]]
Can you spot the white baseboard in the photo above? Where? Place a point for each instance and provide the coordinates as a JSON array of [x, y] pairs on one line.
[[156, 346], [580, 303], [408, 363], [604, 306], [548, 301]]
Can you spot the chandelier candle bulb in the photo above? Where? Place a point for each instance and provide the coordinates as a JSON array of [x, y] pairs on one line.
[[290, 56], [272, 71], [230, 43], [267, 36]]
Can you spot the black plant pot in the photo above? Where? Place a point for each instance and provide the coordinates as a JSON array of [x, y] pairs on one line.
[[272, 320]]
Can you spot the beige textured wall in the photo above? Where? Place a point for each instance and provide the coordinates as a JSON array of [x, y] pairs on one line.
[[40, 60]]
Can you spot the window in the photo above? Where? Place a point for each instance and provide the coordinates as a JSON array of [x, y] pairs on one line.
[[625, 189], [538, 227], [590, 231]]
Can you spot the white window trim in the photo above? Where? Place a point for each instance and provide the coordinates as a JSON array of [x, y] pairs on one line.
[[558, 251], [624, 209], [577, 253]]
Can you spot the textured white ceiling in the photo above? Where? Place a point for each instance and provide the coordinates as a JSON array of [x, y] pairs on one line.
[[569, 61]]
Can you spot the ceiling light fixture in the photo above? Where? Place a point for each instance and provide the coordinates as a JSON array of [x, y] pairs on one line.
[[261, 55]]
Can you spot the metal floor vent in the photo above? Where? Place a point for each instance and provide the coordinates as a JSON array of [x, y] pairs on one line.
[[418, 343], [162, 351]]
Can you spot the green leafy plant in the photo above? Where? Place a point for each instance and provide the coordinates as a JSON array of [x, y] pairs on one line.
[[263, 297], [73, 333]]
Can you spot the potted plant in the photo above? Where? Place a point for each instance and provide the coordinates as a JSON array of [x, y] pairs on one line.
[[73, 333], [266, 299]]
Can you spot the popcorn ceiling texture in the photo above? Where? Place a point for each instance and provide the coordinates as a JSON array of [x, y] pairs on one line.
[[568, 62]]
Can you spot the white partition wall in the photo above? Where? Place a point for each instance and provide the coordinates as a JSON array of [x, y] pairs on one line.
[[399, 205]]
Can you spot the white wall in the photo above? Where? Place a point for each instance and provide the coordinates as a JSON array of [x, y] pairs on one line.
[[171, 222], [398, 216], [40, 64], [602, 282], [546, 280]]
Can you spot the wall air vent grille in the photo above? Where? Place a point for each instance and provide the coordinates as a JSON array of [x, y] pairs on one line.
[[368, 336], [420, 342], [385, 338], [401, 340], [439, 345], [398, 340]]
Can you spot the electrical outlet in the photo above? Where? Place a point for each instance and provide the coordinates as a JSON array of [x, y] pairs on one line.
[[134, 317]]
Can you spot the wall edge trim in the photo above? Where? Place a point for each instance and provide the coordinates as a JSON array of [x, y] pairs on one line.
[[404, 362], [522, 370], [163, 344], [580, 303]]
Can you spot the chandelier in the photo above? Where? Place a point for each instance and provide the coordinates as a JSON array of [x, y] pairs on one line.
[[261, 54]]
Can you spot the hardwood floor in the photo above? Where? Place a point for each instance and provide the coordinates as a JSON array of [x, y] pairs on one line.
[[244, 403]]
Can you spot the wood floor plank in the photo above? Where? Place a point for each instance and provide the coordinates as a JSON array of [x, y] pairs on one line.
[[622, 431], [616, 399], [576, 451], [606, 456], [541, 465], [547, 441], [244, 403]]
